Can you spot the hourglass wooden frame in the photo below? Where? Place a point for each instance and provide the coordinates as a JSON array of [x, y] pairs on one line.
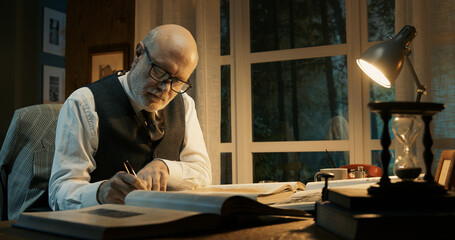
[[426, 110]]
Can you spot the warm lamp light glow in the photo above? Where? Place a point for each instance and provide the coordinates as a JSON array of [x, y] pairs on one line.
[[383, 62], [374, 73]]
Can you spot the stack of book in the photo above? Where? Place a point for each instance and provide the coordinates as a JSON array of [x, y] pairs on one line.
[[354, 214], [152, 214]]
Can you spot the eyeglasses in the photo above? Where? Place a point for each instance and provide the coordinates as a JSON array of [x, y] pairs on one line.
[[160, 75]]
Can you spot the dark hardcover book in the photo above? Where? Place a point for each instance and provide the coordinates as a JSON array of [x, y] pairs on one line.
[[391, 224], [359, 199], [152, 214]]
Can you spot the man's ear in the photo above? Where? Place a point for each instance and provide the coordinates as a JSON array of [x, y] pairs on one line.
[[139, 49], [138, 52]]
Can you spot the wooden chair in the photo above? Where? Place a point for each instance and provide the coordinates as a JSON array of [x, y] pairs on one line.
[[371, 170], [445, 174]]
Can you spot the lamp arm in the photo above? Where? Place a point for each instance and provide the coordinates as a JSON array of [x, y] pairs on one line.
[[420, 88]]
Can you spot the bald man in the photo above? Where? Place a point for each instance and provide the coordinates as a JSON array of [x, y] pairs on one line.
[[143, 116]]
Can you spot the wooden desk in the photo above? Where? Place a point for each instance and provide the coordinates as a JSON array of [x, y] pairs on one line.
[[300, 229]]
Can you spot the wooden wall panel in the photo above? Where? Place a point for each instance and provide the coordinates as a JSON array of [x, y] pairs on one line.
[[93, 24]]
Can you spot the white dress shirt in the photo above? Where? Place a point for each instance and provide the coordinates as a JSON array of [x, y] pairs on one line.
[[76, 144]]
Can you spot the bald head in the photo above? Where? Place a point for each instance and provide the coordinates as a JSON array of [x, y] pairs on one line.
[[173, 48]]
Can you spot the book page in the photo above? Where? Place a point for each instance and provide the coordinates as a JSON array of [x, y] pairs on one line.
[[266, 193], [344, 183], [206, 203], [258, 188]]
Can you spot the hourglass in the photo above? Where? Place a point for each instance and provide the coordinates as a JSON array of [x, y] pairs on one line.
[[406, 128]]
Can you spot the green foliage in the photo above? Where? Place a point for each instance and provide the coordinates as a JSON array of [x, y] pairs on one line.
[[296, 23], [277, 114], [226, 103], [381, 19], [294, 166]]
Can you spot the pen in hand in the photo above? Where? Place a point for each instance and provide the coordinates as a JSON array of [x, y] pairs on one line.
[[128, 168]]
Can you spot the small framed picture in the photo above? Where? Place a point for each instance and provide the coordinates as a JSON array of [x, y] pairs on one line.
[[53, 84], [54, 26], [445, 174], [107, 60]]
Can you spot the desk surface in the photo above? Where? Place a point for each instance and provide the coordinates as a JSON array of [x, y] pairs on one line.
[[300, 229]]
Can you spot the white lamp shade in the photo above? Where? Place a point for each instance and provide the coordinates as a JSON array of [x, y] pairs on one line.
[[383, 61]]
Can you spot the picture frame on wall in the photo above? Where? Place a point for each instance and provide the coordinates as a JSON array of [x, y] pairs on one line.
[[54, 27], [53, 84], [107, 60]]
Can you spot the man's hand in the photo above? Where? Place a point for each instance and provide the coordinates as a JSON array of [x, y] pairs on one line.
[[155, 175], [117, 187]]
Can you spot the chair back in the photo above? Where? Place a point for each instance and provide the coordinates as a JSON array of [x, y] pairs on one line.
[[26, 160]]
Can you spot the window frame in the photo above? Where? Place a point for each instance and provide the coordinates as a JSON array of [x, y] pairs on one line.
[[360, 145]]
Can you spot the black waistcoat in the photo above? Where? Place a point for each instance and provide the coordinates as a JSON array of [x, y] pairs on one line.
[[122, 137]]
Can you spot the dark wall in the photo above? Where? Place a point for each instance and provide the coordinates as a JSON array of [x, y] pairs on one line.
[[89, 24], [21, 57], [99, 25]]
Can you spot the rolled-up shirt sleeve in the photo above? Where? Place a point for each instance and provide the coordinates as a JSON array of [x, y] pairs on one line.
[[194, 168], [76, 142]]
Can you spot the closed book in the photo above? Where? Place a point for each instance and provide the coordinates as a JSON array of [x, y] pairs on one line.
[[359, 199], [386, 224]]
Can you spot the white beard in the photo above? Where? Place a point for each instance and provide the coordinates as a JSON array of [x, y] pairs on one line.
[[139, 95]]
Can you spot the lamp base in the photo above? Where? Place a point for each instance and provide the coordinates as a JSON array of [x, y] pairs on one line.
[[408, 188]]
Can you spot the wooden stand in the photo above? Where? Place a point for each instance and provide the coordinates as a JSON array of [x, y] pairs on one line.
[[426, 110]]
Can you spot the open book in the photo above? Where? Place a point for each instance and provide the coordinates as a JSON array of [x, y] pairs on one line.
[[266, 193], [151, 214]]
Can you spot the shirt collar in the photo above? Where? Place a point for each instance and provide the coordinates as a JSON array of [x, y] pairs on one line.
[[124, 82]]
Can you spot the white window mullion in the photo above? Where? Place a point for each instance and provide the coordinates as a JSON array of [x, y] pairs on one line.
[[298, 53], [243, 162], [300, 146], [356, 105]]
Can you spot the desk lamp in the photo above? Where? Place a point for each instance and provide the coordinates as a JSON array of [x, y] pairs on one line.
[[414, 209], [383, 63]]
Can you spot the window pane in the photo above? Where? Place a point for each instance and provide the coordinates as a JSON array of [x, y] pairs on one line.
[[379, 93], [291, 24], [225, 28], [381, 19], [226, 103], [376, 160], [294, 166], [226, 168], [300, 100]]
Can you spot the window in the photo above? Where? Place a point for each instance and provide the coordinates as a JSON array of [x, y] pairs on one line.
[[293, 100]]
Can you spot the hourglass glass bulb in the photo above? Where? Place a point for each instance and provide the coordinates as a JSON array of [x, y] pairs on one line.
[[406, 128]]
